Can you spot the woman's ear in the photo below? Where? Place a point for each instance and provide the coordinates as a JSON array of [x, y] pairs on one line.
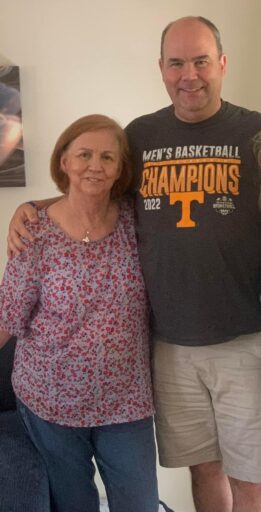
[[119, 171], [63, 163], [120, 168]]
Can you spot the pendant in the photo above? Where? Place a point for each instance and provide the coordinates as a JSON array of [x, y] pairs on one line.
[[86, 238]]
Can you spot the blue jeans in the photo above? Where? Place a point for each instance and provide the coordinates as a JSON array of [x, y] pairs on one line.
[[124, 453]]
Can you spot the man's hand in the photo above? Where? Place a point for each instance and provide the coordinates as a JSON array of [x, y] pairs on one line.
[[17, 229]]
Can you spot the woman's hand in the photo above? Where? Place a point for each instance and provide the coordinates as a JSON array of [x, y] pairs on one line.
[[17, 229], [4, 337]]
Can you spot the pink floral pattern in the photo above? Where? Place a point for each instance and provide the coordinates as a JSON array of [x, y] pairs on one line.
[[80, 313]]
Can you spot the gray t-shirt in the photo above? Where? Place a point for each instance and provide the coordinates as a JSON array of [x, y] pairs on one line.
[[198, 223]]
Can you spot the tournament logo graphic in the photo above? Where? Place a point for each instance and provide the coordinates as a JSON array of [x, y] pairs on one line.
[[224, 205]]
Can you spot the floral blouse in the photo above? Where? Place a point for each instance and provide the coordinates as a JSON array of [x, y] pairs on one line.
[[80, 314]]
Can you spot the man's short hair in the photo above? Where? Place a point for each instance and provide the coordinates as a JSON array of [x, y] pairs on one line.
[[206, 22]]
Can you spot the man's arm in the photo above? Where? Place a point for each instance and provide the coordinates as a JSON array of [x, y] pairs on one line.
[[44, 203], [17, 229], [257, 153]]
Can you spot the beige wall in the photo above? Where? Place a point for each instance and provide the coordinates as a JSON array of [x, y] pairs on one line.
[[101, 56]]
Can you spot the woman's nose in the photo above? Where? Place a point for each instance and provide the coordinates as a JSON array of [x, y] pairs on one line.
[[94, 162]]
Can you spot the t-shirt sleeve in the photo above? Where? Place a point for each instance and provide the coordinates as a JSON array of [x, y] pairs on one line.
[[136, 176], [19, 291]]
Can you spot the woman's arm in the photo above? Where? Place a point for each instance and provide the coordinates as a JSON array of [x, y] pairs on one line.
[[21, 286], [17, 229], [4, 337]]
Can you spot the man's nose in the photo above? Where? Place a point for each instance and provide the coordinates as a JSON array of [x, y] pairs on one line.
[[189, 71]]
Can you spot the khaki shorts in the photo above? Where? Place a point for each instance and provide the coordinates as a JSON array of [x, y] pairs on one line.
[[208, 405]]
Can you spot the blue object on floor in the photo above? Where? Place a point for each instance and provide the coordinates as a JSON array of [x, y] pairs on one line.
[[167, 509], [24, 484]]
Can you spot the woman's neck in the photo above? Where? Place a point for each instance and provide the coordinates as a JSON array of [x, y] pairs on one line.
[[93, 208], [86, 220]]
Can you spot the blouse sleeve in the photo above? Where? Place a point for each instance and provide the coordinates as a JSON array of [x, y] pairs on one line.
[[19, 291]]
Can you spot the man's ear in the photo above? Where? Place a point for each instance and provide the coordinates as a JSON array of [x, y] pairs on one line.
[[160, 64], [223, 62]]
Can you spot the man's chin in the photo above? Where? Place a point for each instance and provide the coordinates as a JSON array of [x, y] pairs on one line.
[[193, 104], [191, 112]]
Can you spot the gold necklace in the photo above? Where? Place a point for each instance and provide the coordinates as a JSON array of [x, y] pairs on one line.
[[86, 238]]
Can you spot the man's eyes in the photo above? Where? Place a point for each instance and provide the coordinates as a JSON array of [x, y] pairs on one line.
[[176, 64], [200, 63]]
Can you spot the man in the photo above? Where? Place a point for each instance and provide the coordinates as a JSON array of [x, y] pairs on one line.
[[199, 234], [198, 226]]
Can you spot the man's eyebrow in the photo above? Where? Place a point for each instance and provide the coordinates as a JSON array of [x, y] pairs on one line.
[[179, 59], [175, 59], [201, 57]]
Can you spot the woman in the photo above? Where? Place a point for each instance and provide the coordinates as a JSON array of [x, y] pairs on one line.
[[76, 301]]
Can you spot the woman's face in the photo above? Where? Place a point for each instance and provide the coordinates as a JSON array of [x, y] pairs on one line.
[[92, 163]]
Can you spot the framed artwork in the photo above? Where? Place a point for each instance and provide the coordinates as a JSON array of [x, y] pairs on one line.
[[12, 169]]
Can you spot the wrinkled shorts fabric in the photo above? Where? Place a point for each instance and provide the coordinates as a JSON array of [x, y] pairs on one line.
[[208, 405]]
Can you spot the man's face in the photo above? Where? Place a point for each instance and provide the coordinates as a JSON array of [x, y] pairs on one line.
[[192, 70]]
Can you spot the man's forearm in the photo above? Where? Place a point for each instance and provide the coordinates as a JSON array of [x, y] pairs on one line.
[[44, 203]]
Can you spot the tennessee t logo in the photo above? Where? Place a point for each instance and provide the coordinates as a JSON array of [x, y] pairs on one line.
[[186, 198]]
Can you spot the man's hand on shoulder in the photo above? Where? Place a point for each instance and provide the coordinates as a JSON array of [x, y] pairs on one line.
[[17, 228]]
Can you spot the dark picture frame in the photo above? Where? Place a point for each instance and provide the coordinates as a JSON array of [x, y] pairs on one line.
[[12, 168]]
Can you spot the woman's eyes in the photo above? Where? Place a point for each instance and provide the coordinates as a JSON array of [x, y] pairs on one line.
[[86, 155]]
